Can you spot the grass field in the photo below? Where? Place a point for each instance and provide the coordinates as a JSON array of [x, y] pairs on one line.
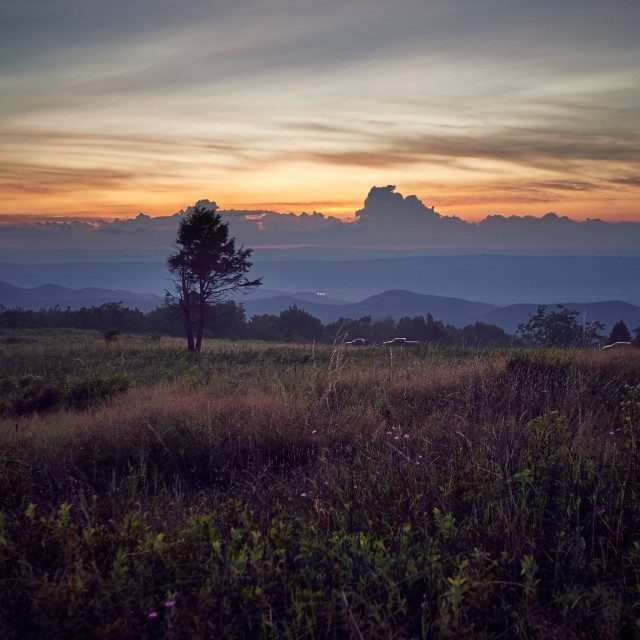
[[292, 491]]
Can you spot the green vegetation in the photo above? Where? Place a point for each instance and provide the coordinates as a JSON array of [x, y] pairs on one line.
[[292, 491], [227, 320], [560, 328], [619, 333]]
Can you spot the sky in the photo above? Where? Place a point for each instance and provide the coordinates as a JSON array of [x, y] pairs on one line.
[[387, 220], [479, 107]]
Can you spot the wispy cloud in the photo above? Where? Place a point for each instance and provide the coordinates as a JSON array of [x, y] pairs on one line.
[[304, 101]]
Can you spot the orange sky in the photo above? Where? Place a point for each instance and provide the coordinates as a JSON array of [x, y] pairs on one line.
[[509, 108]]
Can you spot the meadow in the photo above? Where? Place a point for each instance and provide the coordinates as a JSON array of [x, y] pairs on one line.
[[300, 491]]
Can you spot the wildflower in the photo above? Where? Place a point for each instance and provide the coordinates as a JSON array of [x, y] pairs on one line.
[[169, 604], [314, 431], [601, 510], [303, 494], [152, 615], [406, 436]]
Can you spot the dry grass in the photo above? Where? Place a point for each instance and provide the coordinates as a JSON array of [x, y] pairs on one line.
[[295, 491]]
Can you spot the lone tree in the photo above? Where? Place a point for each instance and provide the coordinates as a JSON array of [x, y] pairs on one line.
[[206, 269]]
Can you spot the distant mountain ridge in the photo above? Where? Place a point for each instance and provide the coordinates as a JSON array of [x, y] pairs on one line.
[[395, 303], [496, 279], [50, 295]]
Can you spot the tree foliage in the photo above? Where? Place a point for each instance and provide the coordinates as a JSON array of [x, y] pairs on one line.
[[206, 269], [619, 333], [226, 319], [291, 325], [559, 328], [296, 324]]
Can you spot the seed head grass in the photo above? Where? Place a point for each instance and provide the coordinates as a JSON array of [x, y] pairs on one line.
[[305, 491]]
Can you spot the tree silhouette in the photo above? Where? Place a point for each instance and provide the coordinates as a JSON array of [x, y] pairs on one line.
[[620, 333], [559, 328], [206, 269], [297, 324]]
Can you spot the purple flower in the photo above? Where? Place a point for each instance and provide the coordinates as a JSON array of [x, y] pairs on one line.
[[152, 615], [303, 494], [601, 510], [169, 604]]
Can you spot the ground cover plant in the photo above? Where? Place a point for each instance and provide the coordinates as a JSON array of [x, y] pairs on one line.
[[301, 491]]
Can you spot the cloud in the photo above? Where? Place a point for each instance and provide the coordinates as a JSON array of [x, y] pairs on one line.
[[387, 219], [130, 102], [632, 181], [385, 209], [540, 147], [47, 179]]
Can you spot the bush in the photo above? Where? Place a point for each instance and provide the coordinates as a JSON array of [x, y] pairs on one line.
[[31, 394]]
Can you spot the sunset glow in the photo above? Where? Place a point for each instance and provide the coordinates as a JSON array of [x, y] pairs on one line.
[[478, 108]]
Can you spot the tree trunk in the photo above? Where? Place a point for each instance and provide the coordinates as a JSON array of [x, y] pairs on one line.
[[190, 343], [188, 327], [186, 310], [202, 310]]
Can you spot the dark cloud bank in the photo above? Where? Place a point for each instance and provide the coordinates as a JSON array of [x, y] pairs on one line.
[[386, 221]]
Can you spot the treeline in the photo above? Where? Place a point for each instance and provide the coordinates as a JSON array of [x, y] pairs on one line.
[[295, 324], [546, 328], [228, 320]]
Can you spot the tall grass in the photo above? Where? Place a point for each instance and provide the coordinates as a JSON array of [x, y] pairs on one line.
[[300, 491]]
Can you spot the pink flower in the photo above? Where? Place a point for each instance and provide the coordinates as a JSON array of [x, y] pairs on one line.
[[169, 604], [303, 495], [152, 615]]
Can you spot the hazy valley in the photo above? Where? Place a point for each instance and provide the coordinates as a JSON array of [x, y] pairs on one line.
[[497, 289]]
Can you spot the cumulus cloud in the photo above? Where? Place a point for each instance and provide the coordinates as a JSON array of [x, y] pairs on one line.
[[387, 219], [383, 201]]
